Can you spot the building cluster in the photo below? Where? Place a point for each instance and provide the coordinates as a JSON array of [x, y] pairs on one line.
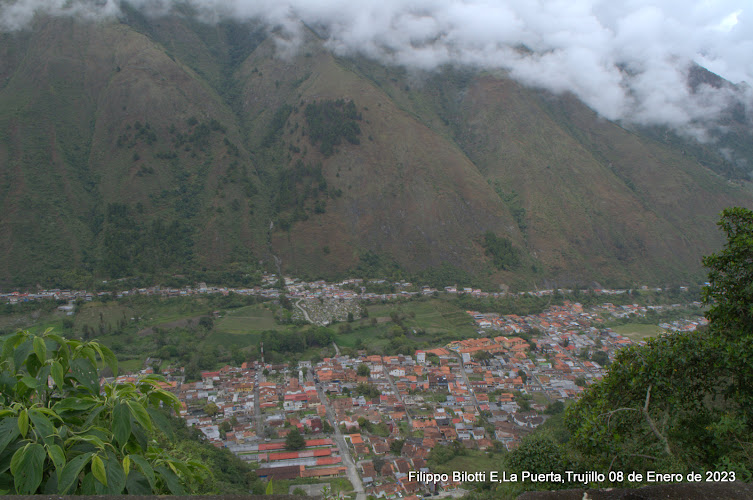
[[377, 418], [348, 289]]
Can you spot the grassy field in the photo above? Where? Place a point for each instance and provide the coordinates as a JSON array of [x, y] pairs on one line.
[[432, 315], [435, 321], [255, 318], [638, 331]]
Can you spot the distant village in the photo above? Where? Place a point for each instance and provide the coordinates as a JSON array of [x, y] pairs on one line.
[[349, 289], [374, 419]]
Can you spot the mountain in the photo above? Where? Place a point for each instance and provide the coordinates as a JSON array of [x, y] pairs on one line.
[[152, 146]]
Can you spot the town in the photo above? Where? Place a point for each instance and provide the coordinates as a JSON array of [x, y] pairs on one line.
[[374, 418]]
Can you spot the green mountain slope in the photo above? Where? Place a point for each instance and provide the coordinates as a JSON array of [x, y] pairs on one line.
[[158, 146]]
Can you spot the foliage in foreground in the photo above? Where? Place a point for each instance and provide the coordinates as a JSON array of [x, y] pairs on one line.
[[682, 402], [63, 433]]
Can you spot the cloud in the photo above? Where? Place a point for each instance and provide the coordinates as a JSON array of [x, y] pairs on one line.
[[628, 60]]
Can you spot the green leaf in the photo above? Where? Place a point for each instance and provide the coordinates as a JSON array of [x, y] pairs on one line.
[[88, 352], [110, 359], [74, 404], [88, 485], [5, 459], [43, 427], [10, 344], [146, 468], [23, 423], [98, 469], [27, 469], [121, 424], [162, 396], [126, 465], [29, 381], [8, 431], [21, 353], [57, 338], [92, 440], [69, 477], [140, 414], [57, 374], [172, 481], [85, 373], [40, 349], [93, 415], [138, 484], [57, 456], [160, 420], [116, 478], [140, 434]]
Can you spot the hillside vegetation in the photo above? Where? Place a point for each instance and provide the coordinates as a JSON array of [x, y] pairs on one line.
[[150, 147]]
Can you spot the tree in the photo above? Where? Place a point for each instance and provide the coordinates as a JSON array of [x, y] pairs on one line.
[[206, 322], [730, 288], [363, 370], [396, 447], [211, 409], [294, 441], [482, 355], [681, 402], [538, 453], [63, 433]]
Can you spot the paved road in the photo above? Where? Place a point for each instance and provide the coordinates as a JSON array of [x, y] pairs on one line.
[[257, 407], [468, 383], [305, 314], [353, 476], [399, 397]]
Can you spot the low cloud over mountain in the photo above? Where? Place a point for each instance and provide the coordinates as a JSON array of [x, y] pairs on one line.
[[627, 60]]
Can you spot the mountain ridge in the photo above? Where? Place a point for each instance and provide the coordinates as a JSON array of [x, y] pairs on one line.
[[158, 146]]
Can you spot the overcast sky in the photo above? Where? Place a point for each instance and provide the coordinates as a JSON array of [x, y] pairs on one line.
[[627, 59]]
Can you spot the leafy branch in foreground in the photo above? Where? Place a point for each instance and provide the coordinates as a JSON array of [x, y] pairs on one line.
[[682, 402], [61, 432]]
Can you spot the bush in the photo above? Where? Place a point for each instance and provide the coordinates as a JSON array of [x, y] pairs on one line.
[[63, 433]]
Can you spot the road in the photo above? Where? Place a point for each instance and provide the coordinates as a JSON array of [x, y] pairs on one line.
[[399, 397], [305, 314], [257, 405], [353, 476], [468, 383]]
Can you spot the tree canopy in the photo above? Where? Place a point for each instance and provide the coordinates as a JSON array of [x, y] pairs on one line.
[[682, 401], [730, 288], [294, 441]]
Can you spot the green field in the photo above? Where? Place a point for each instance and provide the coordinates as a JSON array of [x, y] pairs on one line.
[[638, 331], [432, 315], [255, 318], [430, 323], [211, 332]]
